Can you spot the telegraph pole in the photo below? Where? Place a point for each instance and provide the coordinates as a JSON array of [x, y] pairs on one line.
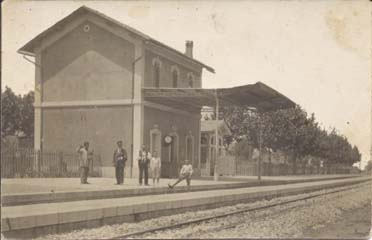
[[259, 146], [216, 142]]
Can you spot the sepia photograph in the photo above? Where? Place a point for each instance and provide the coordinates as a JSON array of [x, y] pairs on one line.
[[186, 119]]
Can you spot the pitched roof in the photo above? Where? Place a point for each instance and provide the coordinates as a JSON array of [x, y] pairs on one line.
[[210, 126], [29, 47]]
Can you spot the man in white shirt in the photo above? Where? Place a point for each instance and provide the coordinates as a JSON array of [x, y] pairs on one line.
[[185, 173], [86, 156], [255, 154]]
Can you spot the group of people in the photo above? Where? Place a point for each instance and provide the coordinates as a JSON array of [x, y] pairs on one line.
[[145, 160]]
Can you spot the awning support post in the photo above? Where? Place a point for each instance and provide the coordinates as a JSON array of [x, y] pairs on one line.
[[216, 142], [132, 93]]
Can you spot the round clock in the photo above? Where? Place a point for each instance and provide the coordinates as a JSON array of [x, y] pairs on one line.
[[167, 139]]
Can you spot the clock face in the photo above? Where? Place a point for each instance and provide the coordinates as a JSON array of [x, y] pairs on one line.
[[168, 139]]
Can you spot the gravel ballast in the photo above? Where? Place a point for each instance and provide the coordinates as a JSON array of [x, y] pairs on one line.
[[285, 221]]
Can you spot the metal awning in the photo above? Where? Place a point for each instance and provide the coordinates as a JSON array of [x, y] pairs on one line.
[[258, 96]]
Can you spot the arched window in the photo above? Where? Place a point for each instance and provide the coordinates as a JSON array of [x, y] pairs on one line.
[[190, 80], [155, 140], [203, 139], [190, 147], [175, 75], [157, 75], [157, 65], [173, 147], [175, 79]]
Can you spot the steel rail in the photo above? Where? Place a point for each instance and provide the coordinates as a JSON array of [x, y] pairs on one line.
[[248, 209]]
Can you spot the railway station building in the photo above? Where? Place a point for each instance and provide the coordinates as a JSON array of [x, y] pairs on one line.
[[99, 80]]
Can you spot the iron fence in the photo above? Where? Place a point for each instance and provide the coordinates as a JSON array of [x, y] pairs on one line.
[[240, 166], [28, 162]]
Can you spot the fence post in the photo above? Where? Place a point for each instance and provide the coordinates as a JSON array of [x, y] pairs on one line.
[[91, 167], [235, 166], [60, 168], [38, 162]]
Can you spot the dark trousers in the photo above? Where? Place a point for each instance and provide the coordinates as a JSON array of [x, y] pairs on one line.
[[84, 174], [143, 172], [181, 178], [119, 173]]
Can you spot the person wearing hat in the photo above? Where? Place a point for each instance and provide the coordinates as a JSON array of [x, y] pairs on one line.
[[86, 157], [120, 157]]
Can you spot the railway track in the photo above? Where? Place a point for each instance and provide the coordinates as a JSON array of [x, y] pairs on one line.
[[235, 212]]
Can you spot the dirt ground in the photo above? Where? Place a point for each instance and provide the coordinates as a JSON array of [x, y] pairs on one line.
[[353, 224]]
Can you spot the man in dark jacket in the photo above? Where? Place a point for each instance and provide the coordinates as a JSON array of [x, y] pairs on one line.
[[143, 163], [120, 157]]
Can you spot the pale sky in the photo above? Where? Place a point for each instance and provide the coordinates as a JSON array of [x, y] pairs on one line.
[[318, 53]]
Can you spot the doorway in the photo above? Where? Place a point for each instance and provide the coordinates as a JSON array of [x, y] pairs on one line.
[[155, 140], [169, 164], [190, 148]]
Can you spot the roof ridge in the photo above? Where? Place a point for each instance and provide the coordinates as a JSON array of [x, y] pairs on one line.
[[28, 47]]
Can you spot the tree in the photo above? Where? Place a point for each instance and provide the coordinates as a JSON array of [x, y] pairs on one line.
[[17, 113], [27, 114], [10, 113], [291, 131], [295, 132], [368, 167], [356, 156]]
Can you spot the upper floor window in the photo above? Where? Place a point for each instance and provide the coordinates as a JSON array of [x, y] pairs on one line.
[[190, 80], [157, 75], [156, 63], [175, 79], [175, 74], [203, 139]]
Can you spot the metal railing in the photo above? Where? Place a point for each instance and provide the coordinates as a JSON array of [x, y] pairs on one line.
[[241, 166], [28, 162]]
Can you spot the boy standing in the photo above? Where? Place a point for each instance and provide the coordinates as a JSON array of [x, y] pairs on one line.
[[185, 173], [155, 166]]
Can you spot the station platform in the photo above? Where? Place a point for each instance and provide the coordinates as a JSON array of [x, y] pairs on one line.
[[32, 220], [22, 191]]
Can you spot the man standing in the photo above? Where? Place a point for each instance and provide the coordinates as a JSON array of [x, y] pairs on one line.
[[143, 163], [120, 157], [86, 157], [255, 154]]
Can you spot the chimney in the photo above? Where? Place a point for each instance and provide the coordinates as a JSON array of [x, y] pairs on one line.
[[189, 45]]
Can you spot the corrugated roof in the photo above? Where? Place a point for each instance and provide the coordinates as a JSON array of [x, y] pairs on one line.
[[258, 96], [28, 48]]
